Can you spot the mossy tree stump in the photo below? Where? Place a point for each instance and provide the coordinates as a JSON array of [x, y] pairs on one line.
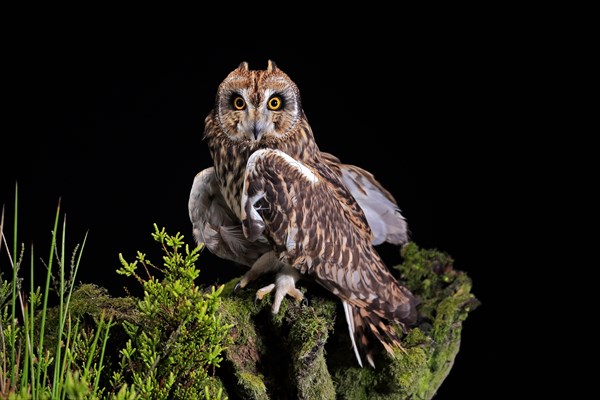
[[304, 352]]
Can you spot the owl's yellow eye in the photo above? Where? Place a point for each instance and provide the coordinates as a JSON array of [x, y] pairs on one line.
[[239, 103], [274, 103]]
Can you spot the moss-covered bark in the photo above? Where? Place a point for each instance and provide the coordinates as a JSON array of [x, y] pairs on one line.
[[304, 352], [88, 303]]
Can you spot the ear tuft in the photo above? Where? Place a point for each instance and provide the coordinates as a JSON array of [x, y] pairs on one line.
[[243, 66], [271, 66]]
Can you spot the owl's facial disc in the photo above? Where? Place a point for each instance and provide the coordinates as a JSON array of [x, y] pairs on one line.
[[258, 106]]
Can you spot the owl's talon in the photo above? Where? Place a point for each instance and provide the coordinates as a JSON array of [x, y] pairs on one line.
[[304, 302], [236, 288]]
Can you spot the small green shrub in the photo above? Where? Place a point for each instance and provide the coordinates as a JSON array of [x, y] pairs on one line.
[[174, 351]]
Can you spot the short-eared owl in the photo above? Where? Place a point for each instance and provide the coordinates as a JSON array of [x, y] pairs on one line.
[[274, 202]]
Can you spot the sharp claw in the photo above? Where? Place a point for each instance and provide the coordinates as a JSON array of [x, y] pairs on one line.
[[236, 288], [304, 302], [255, 301]]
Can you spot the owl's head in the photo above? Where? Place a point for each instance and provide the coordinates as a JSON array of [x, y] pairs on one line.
[[257, 105]]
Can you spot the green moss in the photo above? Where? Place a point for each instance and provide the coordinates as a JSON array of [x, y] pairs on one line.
[[353, 383], [426, 272], [229, 287], [406, 371], [394, 378], [87, 304], [247, 346], [252, 386], [243, 355], [445, 301], [416, 337], [309, 331], [93, 300], [455, 304]]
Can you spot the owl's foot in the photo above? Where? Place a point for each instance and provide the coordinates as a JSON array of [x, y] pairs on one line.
[[285, 284], [266, 263]]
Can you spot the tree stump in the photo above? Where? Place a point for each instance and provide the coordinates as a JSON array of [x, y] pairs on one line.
[[304, 352]]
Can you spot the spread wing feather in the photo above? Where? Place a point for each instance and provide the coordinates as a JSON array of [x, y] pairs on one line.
[[381, 209]]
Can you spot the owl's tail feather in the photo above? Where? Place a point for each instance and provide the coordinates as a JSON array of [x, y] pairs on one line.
[[361, 324]]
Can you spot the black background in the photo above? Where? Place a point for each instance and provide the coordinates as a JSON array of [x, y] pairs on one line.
[[114, 129]]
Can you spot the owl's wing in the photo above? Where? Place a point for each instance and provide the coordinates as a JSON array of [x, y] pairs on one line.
[[215, 225], [302, 214], [380, 207]]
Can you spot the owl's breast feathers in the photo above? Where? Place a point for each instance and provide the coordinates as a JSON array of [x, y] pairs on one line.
[[305, 214]]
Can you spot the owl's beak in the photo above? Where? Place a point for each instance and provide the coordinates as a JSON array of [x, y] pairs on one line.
[[259, 128], [256, 132], [255, 125]]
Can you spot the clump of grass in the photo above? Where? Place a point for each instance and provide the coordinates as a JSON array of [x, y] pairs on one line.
[[30, 368]]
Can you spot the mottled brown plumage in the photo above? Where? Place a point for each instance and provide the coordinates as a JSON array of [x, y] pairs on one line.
[[261, 109], [312, 230]]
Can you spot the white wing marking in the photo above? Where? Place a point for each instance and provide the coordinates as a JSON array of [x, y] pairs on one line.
[[350, 321]]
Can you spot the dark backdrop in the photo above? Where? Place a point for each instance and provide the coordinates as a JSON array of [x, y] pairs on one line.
[[115, 131]]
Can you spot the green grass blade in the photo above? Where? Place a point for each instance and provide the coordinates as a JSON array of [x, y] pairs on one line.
[[92, 350], [60, 367], [32, 320], [61, 310], [102, 350], [47, 290], [28, 322], [14, 292]]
